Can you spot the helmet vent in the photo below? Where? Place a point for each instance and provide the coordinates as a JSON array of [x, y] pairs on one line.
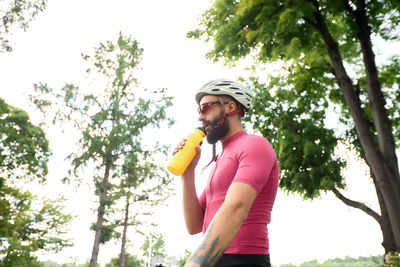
[[215, 90], [239, 93], [234, 88]]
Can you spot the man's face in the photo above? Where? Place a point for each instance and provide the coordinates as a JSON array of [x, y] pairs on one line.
[[210, 115]]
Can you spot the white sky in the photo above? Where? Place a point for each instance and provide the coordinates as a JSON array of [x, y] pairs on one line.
[[50, 52]]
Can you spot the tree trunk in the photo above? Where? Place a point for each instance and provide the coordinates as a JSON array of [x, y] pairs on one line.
[[100, 214], [376, 98], [122, 254], [388, 243], [377, 104], [384, 173]]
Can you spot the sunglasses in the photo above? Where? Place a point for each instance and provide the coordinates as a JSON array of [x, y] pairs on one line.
[[203, 108]]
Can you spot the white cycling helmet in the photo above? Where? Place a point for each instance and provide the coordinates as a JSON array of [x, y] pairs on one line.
[[226, 87]]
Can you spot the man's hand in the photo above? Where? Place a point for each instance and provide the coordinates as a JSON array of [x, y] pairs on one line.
[[192, 165]]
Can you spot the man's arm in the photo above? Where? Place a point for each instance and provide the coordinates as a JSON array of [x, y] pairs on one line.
[[225, 225], [193, 212]]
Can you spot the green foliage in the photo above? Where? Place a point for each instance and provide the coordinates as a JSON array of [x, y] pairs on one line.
[[107, 232], [28, 226], [393, 259], [296, 127], [156, 244], [360, 262], [154, 241], [130, 261], [17, 14], [291, 109], [112, 122], [329, 90], [54, 264], [285, 30], [24, 149], [312, 263], [372, 261], [390, 83], [182, 260], [287, 265]]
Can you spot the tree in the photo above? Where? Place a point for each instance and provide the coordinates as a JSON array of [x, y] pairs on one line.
[[328, 64], [17, 14], [24, 148], [146, 184], [111, 123], [131, 261], [346, 262], [154, 246], [27, 224], [312, 263]]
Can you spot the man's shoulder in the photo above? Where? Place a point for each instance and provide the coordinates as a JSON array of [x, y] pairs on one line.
[[249, 143], [254, 138]]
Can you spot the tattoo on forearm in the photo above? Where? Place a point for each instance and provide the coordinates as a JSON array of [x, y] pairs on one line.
[[207, 256]]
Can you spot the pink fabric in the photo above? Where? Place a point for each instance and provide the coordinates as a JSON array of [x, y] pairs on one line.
[[248, 159]]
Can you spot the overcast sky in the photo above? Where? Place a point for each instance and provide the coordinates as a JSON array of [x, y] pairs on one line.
[[50, 52]]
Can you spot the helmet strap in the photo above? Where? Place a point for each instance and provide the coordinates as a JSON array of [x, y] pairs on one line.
[[233, 112], [222, 119]]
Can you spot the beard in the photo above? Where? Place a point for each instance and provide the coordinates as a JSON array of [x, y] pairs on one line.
[[217, 131]]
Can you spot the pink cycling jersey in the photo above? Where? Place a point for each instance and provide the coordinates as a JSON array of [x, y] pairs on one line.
[[247, 159]]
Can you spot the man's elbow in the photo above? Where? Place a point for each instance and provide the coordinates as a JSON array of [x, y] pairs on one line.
[[242, 212], [194, 227], [194, 222], [193, 230]]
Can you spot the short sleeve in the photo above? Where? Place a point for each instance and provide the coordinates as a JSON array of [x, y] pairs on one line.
[[256, 161]]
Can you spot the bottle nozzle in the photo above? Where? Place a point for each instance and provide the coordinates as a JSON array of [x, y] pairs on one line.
[[202, 129]]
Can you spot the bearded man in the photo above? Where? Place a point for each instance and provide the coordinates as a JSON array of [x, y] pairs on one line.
[[235, 207]]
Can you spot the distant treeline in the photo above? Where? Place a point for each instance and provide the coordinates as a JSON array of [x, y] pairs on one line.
[[372, 261]]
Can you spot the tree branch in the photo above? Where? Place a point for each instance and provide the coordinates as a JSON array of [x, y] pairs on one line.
[[389, 242], [348, 7], [357, 205], [310, 22]]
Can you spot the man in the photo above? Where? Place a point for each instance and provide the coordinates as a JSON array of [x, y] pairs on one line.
[[235, 207]]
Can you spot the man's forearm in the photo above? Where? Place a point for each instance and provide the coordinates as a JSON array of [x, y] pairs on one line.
[[218, 237], [225, 225], [193, 212], [208, 253]]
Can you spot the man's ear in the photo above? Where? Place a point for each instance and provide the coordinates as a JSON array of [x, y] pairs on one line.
[[231, 106]]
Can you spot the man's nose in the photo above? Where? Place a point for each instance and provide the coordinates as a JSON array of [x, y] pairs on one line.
[[201, 116]]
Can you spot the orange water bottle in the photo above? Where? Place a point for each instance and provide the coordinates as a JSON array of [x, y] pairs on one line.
[[183, 157]]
